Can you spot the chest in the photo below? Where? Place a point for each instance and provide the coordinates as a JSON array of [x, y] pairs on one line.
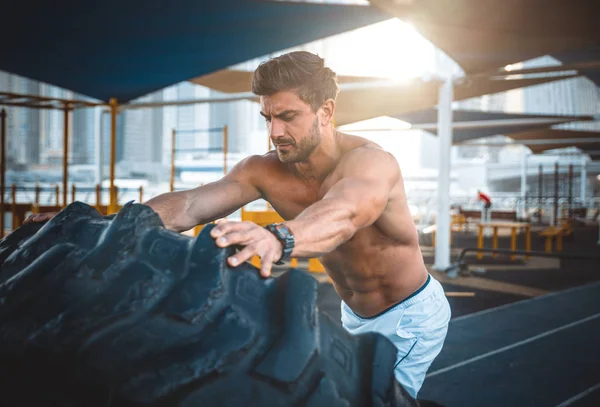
[[290, 196]]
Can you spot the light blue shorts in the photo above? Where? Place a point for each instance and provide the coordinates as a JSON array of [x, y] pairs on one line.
[[417, 326]]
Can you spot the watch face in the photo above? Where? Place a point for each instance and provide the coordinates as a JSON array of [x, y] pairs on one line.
[[281, 230]]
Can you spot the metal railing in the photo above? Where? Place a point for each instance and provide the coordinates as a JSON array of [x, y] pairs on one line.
[[461, 265]]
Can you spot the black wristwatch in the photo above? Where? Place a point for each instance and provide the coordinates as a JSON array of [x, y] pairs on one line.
[[286, 237]]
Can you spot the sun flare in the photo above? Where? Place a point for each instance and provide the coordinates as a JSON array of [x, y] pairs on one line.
[[391, 49]]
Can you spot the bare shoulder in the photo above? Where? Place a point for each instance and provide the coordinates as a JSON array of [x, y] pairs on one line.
[[363, 154], [256, 164]]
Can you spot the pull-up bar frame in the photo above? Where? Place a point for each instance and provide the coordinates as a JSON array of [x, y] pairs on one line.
[[174, 132]]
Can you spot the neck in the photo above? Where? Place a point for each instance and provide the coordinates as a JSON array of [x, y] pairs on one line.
[[323, 159]]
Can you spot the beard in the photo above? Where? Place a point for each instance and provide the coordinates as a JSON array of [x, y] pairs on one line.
[[299, 152]]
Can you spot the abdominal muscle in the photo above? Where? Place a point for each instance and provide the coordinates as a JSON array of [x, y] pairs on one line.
[[371, 275]]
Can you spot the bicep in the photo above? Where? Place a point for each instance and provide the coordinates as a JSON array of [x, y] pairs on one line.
[[366, 186]]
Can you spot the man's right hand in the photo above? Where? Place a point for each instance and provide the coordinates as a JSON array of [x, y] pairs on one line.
[[39, 217]]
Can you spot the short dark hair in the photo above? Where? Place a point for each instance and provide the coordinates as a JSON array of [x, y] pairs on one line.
[[300, 71]]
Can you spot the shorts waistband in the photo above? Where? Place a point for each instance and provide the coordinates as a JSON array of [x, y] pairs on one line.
[[411, 299]]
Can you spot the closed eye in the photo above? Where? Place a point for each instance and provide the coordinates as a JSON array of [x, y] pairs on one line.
[[286, 116]]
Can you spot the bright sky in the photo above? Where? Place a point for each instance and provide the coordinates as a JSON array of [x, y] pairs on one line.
[[391, 49]]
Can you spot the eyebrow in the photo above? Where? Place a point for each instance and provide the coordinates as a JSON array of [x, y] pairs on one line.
[[279, 115]]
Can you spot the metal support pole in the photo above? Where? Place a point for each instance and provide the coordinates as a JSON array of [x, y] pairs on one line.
[[523, 184], [100, 150], [2, 168], [66, 110], [112, 206], [225, 148], [172, 183], [540, 188], [570, 197], [442, 247], [583, 183], [37, 194], [555, 212]]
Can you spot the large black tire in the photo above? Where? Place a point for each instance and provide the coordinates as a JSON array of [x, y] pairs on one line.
[[122, 312]]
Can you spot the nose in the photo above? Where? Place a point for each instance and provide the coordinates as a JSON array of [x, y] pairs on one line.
[[276, 129]]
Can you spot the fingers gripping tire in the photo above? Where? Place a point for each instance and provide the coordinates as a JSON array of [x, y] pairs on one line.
[[122, 312]]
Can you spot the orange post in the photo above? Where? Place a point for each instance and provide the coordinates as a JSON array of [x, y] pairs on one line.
[[495, 241], [513, 241], [13, 207], [294, 262], [116, 207], [548, 245], [559, 245]]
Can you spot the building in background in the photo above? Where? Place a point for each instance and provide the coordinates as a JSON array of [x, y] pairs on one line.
[[23, 125], [83, 133], [142, 139]]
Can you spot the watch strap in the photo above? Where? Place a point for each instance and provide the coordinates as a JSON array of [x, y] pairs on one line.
[[285, 237]]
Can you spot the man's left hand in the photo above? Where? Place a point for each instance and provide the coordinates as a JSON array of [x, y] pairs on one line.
[[255, 241]]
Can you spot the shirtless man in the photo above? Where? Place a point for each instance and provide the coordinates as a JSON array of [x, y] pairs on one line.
[[343, 201]]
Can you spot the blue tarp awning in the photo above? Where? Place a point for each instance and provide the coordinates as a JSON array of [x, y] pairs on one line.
[[127, 49]]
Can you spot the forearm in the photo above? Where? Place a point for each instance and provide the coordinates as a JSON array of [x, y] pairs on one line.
[[322, 227], [172, 209], [182, 210]]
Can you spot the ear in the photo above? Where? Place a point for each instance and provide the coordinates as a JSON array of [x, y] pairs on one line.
[[327, 112]]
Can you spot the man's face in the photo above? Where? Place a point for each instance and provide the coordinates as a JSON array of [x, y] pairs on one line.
[[293, 126]]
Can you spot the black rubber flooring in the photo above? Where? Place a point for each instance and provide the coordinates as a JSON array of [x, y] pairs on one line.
[[539, 352]]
